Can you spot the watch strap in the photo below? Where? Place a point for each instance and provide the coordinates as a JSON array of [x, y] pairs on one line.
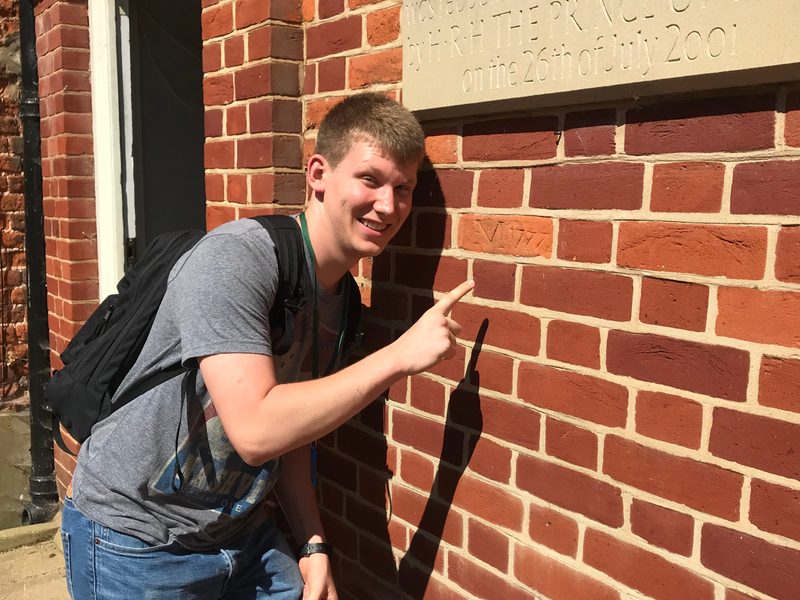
[[315, 548]]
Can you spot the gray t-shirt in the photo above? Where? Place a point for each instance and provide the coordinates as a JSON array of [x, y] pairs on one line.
[[161, 468]]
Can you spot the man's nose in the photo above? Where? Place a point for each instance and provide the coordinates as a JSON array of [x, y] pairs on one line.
[[385, 203]]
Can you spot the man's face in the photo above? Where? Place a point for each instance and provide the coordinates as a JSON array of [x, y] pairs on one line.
[[366, 198]]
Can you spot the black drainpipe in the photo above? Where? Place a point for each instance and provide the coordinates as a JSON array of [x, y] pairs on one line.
[[44, 497]]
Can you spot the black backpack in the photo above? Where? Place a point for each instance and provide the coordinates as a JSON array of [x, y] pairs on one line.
[[108, 344]]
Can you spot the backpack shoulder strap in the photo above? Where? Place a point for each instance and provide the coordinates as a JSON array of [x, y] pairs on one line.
[[290, 297]]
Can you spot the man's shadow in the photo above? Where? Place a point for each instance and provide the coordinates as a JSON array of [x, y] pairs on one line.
[[357, 466]]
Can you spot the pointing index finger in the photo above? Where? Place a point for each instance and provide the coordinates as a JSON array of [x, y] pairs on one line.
[[449, 300]]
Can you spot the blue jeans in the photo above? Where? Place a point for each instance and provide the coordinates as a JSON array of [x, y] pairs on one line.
[[103, 564]]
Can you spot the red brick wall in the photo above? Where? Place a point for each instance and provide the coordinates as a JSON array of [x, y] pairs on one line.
[[638, 375], [62, 46], [13, 320]]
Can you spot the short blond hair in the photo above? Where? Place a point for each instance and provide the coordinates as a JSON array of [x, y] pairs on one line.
[[376, 118]]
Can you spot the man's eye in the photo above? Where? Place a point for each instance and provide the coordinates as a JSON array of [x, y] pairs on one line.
[[370, 180]]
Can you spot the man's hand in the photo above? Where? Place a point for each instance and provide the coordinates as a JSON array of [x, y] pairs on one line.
[[316, 572], [433, 337]]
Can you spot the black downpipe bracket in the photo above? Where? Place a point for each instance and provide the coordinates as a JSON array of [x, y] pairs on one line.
[[43, 493]]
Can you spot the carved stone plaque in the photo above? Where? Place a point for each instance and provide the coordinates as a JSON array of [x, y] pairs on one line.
[[468, 55]]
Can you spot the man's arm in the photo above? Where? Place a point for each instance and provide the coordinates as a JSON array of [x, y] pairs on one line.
[[264, 419]]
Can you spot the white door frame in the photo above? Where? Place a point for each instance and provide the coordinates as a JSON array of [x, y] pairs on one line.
[[106, 139]]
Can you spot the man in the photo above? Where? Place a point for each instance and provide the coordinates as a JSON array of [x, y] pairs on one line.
[[168, 495]]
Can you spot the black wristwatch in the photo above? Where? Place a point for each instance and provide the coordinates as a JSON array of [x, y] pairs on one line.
[[318, 548]]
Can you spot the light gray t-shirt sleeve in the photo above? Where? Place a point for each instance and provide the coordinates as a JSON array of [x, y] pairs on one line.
[[222, 292]]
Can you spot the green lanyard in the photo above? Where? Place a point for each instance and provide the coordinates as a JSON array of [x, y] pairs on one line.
[[315, 309]]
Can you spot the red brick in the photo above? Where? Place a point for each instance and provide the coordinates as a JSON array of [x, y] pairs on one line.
[[427, 395], [237, 188], [531, 138], [708, 369], [254, 152], [332, 74], [701, 486], [792, 127], [501, 188], [732, 124], [674, 304], [493, 371], [330, 8], [217, 20], [554, 530], [488, 545], [716, 250], [422, 434], [368, 446], [585, 241], [771, 569], [218, 90], [643, 570], [317, 109], [766, 188], [491, 460], [556, 580], [787, 259], [430, 272], [775, 508], [669, 418], [432, 230], [482, 582], [589, 186], [252, 13], [333, 37], [213, 123], [759, 442], [779, 381], [236, 120], [385, 66], [590, 133], [508, 421], [219, 154], [253, 82], [769, 317], [383, 26], [662, 527], [734, 595], [441, 147], [309, 79], [234, 51], [574, 343], [687, 187], [572, 490], [572, 444], [578, 292], [416, 469], [496, 280], [581, 396], [489, 502], [337, 468], [445, 188], [509, 235]]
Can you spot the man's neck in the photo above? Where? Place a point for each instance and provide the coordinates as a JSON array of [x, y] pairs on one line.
[[330, 265]]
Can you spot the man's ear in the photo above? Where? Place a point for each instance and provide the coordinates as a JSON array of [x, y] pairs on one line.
[[315, 173]]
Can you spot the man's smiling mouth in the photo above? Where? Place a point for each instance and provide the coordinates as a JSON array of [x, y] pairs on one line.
[[373, 225]]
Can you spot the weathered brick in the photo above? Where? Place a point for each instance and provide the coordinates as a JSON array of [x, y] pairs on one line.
[[218, 90], [416, 469], [385, 66], [383, 26], [574, 394], [585, 241], [716, 250], [574, 343], [488, 545], [590, 133], [771, 569], [332, 74], [252, 13], [779, 381], [687, 187], [714, 370], [236, 120], [217, 21], [766, 188], [446, 188], [731, 124], [669, 418], [333, 37], [427, 395], [571, 490], [508, 421], [770, 317], [787, 257], [588, 186], [510, 235], [674, 304], [775, 508], [579, 292], [254, 152], [441, 146], [701, 486], [531, 138], [643, 570], [330, 8], [234, 51], [482, 582], [219, 154], [489, 502], [553, 529], [570, 443], [496, 280], [213, 123], [501, 188], [759, 442], [662, 527]]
